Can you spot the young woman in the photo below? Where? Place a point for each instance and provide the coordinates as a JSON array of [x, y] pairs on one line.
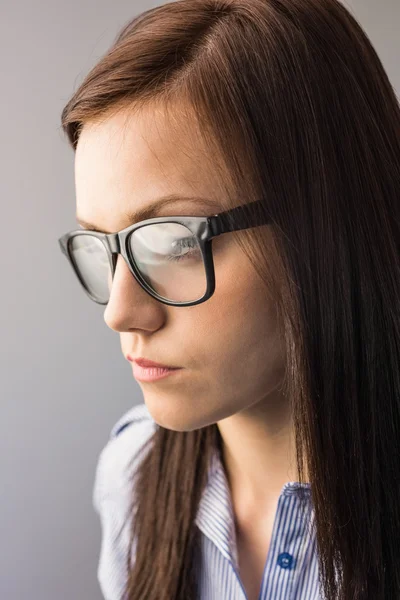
[[237, 179]]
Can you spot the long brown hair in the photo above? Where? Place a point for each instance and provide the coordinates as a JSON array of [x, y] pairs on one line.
[[294, 99]]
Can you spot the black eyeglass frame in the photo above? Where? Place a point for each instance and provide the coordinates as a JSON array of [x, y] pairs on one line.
[[204, 228]]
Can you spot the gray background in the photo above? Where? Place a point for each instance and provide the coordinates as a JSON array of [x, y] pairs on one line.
[[64, 381]]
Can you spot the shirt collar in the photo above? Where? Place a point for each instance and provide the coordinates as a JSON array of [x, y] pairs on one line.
[[215, 515]]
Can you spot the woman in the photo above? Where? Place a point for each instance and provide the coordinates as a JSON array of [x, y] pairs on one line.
[[265, 464]]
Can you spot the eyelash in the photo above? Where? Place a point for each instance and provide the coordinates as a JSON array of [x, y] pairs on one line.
[[188, 243]]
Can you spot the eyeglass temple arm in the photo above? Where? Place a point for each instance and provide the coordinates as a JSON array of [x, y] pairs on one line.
[[250, 215]]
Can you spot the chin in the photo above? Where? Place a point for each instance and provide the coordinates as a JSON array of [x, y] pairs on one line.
[[174, 416]]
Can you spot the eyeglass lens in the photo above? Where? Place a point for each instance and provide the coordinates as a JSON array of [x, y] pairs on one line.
[[167, 255]]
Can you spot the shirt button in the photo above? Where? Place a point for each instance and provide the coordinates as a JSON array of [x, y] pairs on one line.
[[285, 560]]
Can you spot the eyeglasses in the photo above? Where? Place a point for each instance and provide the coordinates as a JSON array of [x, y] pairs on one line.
[[170, 257]]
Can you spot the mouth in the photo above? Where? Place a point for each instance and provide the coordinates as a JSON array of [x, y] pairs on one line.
[[152, 373], [149, 364]]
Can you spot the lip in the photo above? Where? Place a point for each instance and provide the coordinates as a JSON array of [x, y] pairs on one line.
[[151, 374], [148, 364]]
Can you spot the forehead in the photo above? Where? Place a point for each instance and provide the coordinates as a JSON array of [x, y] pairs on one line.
[[143, 153]]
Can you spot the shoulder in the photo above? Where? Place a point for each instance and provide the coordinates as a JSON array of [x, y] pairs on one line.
[[112, 494], [127, 438], [136, 414]]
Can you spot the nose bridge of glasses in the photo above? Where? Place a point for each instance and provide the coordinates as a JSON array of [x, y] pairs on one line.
[[114, 243]]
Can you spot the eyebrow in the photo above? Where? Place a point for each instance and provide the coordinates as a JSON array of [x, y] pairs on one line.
[[153, 209]]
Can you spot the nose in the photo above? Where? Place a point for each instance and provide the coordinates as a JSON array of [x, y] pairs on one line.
[[129, 305]]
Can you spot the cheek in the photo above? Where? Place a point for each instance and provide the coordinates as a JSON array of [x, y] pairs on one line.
[[238, 326], [242, 360], [245, 341]]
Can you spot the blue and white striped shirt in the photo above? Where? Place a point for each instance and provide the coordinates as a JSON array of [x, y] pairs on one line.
[[291, 569]]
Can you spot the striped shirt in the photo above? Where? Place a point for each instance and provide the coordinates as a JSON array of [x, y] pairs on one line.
[[291, 568]]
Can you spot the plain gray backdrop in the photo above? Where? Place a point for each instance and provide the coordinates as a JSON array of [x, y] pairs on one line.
[[64, 380]]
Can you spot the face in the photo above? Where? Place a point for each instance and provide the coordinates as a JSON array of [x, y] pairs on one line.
[[229, 347]]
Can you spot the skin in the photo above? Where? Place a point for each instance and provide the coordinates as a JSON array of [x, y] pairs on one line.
[[230, 346]]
